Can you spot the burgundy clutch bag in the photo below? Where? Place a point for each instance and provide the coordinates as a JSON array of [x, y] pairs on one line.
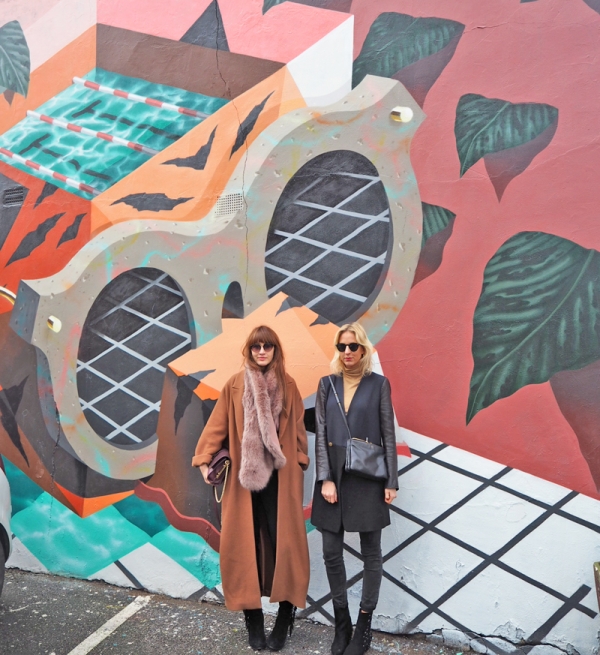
[[218, 470]]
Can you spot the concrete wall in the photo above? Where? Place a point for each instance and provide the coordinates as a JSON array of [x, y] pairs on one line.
[[285, 191]]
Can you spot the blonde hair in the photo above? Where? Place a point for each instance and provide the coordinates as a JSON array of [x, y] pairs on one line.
[[366, 363]]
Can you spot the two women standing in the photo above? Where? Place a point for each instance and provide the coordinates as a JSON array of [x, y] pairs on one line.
[[264, 550]]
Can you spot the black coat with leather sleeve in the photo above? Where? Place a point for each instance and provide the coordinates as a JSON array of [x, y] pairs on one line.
[[361, 505]]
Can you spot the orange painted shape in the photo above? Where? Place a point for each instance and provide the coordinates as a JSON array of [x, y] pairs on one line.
[[307, 347], [87, 506], [52, 77], [204, 392], [202, 187]]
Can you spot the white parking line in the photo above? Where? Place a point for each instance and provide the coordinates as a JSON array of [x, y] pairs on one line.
[[110, 626]]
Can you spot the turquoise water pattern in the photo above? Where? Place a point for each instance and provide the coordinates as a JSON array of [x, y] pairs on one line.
[[70, 545], [91, 160]]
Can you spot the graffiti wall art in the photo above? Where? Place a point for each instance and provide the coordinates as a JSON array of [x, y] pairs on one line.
[[170, 179]]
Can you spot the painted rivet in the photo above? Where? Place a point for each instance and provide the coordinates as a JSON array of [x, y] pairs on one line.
[[402, 114], [55, 324]]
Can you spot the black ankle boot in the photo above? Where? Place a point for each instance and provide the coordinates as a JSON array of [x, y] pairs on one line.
[[255, 624], [361, 640], [343, 630], [283, 623]]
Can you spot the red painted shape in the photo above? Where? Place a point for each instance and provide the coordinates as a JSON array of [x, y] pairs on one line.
[[197, 525], [48, 258], [427, 353]]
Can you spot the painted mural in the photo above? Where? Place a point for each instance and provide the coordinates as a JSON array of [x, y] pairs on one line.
[[171, 176]]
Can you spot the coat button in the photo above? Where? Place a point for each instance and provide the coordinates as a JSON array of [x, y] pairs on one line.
[[330, 444]]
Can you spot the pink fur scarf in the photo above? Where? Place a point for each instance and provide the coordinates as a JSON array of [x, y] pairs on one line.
[[261, 453]]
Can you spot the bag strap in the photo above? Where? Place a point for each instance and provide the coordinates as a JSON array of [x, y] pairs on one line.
[[224, 484], [341, 408]]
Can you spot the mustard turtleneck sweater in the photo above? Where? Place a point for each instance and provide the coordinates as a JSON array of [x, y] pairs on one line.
[[351, 381]]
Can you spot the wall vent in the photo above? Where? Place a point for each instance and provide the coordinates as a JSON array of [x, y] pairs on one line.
[[229, 204], [13, 196]]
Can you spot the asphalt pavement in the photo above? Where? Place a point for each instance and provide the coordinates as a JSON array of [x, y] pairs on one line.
[[51, 615]]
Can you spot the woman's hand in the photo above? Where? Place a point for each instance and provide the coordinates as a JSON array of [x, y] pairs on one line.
[[204, 470], [390, 494], [329, 492]]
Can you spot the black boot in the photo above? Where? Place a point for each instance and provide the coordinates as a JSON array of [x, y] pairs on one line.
[[255, 624], [343, 630], [283, 623], [361, 640]]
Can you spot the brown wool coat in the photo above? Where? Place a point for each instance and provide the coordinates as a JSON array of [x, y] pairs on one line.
[[239, 571]]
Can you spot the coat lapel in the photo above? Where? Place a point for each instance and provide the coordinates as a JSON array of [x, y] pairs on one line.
[[237, 391], [284, 417]]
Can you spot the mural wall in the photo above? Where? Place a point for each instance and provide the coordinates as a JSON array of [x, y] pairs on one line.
[[172, 176]]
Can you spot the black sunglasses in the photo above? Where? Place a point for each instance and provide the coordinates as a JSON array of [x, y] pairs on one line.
[[342, 346], [267, 347]]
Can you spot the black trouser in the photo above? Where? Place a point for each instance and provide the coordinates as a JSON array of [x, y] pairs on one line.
[[333, 554], [264, 513]]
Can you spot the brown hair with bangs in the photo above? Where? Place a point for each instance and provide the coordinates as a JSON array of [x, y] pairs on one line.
[[265, 334]]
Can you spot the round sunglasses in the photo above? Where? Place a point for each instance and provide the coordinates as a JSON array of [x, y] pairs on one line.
[[256, 347], [342, 347]]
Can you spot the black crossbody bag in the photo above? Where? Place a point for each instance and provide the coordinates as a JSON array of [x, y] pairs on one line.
[[363, 458]]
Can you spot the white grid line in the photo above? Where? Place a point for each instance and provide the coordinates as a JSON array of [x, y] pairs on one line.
[[553, 508], [148, 364], [318, 219]]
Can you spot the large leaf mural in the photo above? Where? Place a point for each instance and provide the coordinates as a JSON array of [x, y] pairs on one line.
[[438, 223], [435, 219], [507, 136], [538, 314], [14, 59], [412, 50]]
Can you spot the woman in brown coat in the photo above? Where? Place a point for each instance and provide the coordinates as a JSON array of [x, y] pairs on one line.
[[264, 552]]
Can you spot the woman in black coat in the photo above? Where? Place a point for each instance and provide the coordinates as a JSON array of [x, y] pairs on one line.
[[343, 501]]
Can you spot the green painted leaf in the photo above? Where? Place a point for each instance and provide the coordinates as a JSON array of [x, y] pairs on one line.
[[486, 125], [14, 58], [538, 314], [435, 219], [269, 4], [398, 40]]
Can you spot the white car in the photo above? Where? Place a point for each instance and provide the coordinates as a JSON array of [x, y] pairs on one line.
[[5, 533]]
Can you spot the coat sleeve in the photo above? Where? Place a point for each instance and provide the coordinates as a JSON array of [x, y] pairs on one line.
[[215, 431], [388, 432], [322, 457], [301, 438]]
